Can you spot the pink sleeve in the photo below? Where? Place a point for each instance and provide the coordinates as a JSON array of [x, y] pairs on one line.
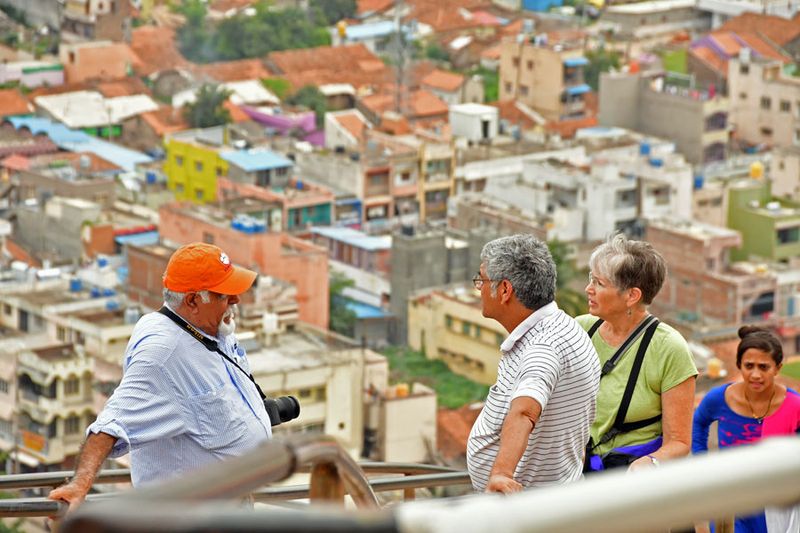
[[784, 421]]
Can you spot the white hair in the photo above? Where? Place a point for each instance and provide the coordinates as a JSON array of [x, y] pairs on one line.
[[174, 299]]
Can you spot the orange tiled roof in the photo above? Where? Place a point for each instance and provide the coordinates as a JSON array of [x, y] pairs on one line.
[[373, 6], [19, 253], [508, 110], [237, 115], [764, 48], [353, 64], [96, 163], [166, 119], [779, 30], [353, 123], [13, 103], [443, 18], [567, 128], [446, 81], [242, 69], [727, 42], [124, 87], [421, 104], [155, 49], [707, 56], [16, 162], [493, 52], [512, 28], [452, 430]]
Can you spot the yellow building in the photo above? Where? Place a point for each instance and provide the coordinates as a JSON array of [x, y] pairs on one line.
[[193, 164], [447, 324]]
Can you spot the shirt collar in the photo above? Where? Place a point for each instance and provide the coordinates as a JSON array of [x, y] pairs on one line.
[[527, 324]]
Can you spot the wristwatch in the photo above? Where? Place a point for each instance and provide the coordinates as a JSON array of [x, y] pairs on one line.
[[653, 460]]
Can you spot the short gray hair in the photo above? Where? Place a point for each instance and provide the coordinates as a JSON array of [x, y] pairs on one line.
[[628, 264], [174, 299], [526, 263]]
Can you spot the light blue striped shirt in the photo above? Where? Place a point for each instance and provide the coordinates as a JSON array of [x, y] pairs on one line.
[[180, 406]]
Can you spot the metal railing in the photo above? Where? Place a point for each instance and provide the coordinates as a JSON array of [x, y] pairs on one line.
[[734, 481]]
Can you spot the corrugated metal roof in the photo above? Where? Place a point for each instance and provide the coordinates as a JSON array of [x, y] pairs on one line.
[[255, 160], [355, 238]]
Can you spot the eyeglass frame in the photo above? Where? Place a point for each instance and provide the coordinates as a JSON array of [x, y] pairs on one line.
[[478, 281]]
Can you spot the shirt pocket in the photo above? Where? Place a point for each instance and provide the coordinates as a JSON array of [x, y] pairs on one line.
[[220, 417], [497, 404]]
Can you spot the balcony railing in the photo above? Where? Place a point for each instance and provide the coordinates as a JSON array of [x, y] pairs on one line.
[[735, 481]]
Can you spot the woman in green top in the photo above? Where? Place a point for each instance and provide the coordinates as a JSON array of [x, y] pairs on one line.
[[624, 278]]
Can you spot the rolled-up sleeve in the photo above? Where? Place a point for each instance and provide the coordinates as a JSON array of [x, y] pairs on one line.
[[143, 408]]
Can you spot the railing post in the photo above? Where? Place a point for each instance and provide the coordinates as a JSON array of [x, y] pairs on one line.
[[326, 484], [724, 525], [409, 494]]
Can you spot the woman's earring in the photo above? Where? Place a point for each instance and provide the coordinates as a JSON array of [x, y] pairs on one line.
[[629, 312]]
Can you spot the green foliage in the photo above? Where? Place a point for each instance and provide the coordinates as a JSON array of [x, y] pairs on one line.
[[208, 110], [436, 53], [341, 319], [791, 369], [675, 61], [329, 12], [12, 527], [244, 36], [277, 86], [569, 298], [600, 61], [311, 97], [491, 83], [452, 390]]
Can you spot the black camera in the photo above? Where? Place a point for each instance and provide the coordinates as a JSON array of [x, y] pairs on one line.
[[282, 409]]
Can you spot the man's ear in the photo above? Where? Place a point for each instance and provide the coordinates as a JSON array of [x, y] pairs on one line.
[[506, 291], [190, 301]]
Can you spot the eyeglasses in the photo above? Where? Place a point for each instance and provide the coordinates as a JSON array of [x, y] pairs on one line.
[[478, 281]]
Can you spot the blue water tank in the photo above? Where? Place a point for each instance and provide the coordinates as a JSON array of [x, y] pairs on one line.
[[698, 181], [102, 261], [109, 292], [644, 148], [150, 177], [656, 162], [95, 292], [298, 185], [248, 225], [260, 226], [75, 285], [112, 305]]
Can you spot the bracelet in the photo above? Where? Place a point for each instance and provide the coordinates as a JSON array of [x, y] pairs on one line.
[[653, 460]]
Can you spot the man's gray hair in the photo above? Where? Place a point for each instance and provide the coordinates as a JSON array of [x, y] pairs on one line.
[[628, 264], [526, 263], [174, 299]]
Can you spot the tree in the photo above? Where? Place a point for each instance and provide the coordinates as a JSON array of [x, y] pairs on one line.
[[342, 319], [571, 300], [600, 60], [311, 97], [329, 12], [277, 86], [207, 110]]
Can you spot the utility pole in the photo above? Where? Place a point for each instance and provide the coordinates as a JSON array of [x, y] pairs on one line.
[[400, 57]]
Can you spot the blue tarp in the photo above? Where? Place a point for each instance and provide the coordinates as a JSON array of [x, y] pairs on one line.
[[138, 239], [576, 62], [578, 89], [363, 310]]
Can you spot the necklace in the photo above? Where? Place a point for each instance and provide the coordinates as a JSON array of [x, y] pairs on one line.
[[760, 419]]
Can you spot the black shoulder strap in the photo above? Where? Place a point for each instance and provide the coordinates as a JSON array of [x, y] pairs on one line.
[[612, 363], [210, 344], [620, 426]]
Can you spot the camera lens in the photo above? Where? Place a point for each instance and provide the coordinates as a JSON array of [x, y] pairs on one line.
[[282, 409]]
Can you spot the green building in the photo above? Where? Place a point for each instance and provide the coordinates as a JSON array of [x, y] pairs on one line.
[[770, 228]]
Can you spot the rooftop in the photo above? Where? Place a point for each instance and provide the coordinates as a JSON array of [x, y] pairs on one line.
[[304, 348], [256, 159], [355, 238], [779, 30], [443, 80], [656, 6], [87, 109], [13, 103]]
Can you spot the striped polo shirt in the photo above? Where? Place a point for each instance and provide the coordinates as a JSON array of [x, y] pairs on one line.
[[549, 358]]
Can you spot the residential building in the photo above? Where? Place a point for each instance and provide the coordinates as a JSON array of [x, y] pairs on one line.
[[146, 131], [767, 102], [712, 184], [344, 130], [193, 163], [54, 230], [39, 13], [472, 210], [421, 107], [32, 74], [447, 324], [277, 254], [774, 20], [657, 19], [474, 122], [453, 88], [785, 173], [94, 60], [90, 20], [770, 227], [545, 72], [59, 178], [655, 104], [377, 37]]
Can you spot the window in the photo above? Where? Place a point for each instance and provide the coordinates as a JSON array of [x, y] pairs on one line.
[[786, 106], [72, 425], [179, 160], [788, 235], [530, 65], [477, 332], [766, 131], [466, 328], [3, 386], [198, 194], [179, 187], [509, 87], [515, 62], [198, 166], [208, 238], [72, 386], [523, 90], [797, 137], [743, 96], [61, 333], [744, 70], [766, 102], [219, 172], [448, 321], [405, 177], [304, 393], [6, 309], [499, 338]]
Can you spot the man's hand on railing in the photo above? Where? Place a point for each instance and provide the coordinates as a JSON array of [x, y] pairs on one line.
[[73, 493], [504, 484]]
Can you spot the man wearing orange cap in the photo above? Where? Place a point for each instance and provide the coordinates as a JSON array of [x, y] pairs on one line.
[[186, 397]]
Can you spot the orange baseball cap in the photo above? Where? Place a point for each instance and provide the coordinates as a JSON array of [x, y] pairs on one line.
[[204, 267]]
